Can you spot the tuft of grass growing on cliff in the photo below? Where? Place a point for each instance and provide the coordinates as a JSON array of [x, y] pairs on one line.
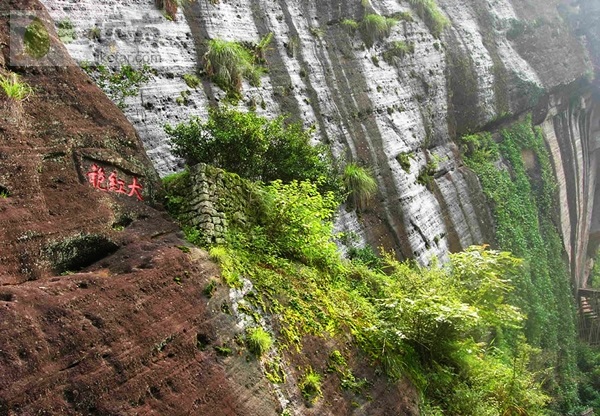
[[398, 50], [375, 27], [18, 92], [228, 64], [258, 340], [429, 11], [360, 184], [310, 386]]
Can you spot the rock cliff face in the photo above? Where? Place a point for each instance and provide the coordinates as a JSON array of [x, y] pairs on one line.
[[103, 309], [495, 61], [131, 334]]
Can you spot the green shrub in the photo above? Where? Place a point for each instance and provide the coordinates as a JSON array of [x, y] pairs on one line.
[[365, 255], [258, 340], [360, 184], [404, 160], [228, 64], [375, 27], [429, 11], [427, 174], [310, 386], [119, 83], [191, 80], [297, 224], [517, 29], [254, 147]]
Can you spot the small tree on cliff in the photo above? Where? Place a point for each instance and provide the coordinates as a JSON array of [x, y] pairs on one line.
[[255, 148]]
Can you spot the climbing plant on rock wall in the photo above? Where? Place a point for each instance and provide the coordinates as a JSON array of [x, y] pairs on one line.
[[523, 200]]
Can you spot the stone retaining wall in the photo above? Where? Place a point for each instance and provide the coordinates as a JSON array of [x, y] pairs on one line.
[[217, 200]]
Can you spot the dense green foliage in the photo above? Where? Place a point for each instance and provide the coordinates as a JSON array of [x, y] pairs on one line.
[[254, 147], [486, 334], [435, 325], [523, 203]]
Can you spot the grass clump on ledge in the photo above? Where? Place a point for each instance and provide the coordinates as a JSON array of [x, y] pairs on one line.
[[14, 88], [18, 92], [360, 184], [398, 50], [258, 340], [375, 27], [429, 11], [229, 63], [310, 386]]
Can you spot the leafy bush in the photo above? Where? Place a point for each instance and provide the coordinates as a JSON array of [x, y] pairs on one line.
[[228, 64], [297, 224], [119, 83], [365, 255], [360, 184], [434, 19], [258, 340], [517, 28], [375, 27], [254, 147], [427, 174]]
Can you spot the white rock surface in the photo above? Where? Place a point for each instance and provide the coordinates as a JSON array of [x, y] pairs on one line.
[[365, 108]]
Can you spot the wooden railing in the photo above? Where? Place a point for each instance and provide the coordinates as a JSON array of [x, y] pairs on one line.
[[589, 316]]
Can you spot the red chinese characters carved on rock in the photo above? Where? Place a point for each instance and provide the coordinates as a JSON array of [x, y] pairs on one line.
[[97, 177]]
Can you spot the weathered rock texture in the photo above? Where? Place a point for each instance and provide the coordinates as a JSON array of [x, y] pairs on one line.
[[495, 60], [132, 333]]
